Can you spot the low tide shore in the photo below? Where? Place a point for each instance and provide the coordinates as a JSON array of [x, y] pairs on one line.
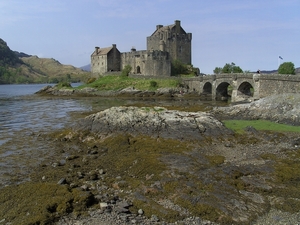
[[97, 175]]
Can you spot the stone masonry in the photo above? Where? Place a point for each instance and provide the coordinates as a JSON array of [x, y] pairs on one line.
[[166, 44]]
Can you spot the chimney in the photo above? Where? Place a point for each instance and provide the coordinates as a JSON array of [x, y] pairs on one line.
[[114, 45], [158, 26], [177, 23], [97, 49]]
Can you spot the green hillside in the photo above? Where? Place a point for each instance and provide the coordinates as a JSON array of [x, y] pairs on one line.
[[31, 69], [54, 71]]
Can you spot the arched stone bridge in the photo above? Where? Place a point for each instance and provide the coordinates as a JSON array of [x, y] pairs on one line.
[[243, 86]]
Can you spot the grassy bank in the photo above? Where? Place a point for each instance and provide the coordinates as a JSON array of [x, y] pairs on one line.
[[239, 126], [115, 82]]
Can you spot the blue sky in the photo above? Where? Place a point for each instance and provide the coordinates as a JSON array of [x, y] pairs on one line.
[[250, 33]]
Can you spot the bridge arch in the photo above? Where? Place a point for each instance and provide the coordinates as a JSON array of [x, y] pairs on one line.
[[222, 91], [245, 89], [207, 88]]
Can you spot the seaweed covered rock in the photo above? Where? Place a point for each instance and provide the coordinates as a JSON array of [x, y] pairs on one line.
[[155, 122], [41, 203]]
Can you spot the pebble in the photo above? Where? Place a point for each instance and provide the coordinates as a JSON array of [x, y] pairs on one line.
[[61, 181], [140, 212], [103, 205]]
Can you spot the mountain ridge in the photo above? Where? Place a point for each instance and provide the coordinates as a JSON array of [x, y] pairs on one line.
[[20, 67]]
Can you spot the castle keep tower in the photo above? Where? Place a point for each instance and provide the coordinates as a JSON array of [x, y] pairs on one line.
[[172, 39], [166, 44]]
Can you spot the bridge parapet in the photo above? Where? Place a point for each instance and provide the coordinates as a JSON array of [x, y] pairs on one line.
[[253, 86]]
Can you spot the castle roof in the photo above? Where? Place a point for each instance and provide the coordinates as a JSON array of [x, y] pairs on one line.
[[172, 28], [102, 51]]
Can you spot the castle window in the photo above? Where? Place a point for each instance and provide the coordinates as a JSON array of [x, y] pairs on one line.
[[180, 49]]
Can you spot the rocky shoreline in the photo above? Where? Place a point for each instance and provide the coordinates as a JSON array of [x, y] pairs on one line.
[[141, 165], [283, 108], [126, 92]]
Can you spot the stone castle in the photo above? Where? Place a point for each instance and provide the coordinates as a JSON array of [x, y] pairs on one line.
[[166, 44]]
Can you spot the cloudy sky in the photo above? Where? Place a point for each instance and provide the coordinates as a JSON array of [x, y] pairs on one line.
[[250, 33]]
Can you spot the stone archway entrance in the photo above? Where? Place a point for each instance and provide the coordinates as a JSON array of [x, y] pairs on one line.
[[138, 69]]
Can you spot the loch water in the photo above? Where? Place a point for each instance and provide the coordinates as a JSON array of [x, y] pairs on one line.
[[25, 115]]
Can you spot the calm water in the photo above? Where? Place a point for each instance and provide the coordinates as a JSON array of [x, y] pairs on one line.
[[21, 110], [24, 115]]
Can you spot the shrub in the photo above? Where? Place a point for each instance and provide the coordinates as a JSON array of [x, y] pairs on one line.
[[231, 68], [63, 85], [126, 70], [153, 83], [177, 68], [286, 68], [91, 80]]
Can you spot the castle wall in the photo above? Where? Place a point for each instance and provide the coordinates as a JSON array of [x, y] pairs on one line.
[[158, 64], [135, 59], [98, 64], [173, 40], [145, 62], [114, 60], [153, 42], [180, 46]]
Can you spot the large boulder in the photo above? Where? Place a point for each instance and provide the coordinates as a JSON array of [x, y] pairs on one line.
[[283, 108], [156, 122]]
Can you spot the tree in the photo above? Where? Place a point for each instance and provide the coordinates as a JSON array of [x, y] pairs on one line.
[[177, 68], [126, 70], [217, 70], [286, 68], [231, 68], [68, 77]]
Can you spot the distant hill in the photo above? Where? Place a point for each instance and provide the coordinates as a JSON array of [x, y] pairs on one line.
[[268, 71], [86, 67], [19, 67], [52, 67], [297, 71], [7, 56]]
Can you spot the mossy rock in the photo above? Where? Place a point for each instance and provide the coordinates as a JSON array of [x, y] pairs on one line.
[[40, 203]]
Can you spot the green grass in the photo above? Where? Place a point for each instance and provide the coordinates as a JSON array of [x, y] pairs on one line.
[[239, 126], [115, 82]]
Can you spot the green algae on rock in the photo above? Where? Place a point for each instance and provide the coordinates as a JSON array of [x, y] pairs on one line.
[[41, 203]]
